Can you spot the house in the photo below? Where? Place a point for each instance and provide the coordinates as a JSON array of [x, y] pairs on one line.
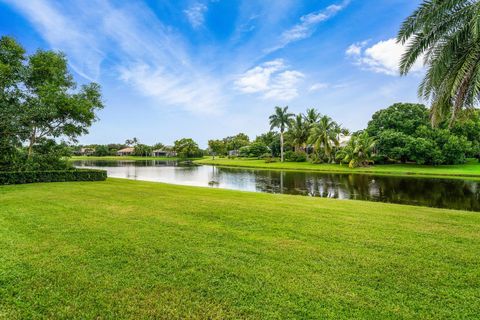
[[84, 152], [125, 151], [343, 140], [163, 153], [233, 153]]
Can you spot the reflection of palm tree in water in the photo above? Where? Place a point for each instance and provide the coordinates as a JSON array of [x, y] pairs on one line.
[[214, 177]]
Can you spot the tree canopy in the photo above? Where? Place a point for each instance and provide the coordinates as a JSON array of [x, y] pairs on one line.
[[40, 103]]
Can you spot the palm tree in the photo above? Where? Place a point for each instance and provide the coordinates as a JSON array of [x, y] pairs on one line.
[[311, 116], [299, 132], [324, 135], [447, 34], [358, 151], [281, 119]]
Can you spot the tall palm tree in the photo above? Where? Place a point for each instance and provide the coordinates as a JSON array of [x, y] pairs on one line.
[[299, 132], [311, 116], [324, 135], [281, 119], [447, 34]]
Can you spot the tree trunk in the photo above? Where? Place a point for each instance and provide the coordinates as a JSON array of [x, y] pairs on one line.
[[281, 146], [32, 142]]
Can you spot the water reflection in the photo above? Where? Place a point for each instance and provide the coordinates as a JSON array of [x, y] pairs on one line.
[[442, 193]]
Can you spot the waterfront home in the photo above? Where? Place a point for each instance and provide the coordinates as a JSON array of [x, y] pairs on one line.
[[126, 151], [163, 153]]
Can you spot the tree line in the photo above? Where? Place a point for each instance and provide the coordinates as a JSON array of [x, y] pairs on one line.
[[401, 133]]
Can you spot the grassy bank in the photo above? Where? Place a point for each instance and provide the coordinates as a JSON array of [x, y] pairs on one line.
[[469, 169], [129, 249]]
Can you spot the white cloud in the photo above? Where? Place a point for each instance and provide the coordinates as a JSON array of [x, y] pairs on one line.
[[306, 27], [146, 54], [318, 86], [196, 14], [64, 34], [272, 80], [382, 57]]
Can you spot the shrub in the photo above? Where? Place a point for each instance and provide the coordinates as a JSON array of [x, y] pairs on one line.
[[295, 156], [20, 177]]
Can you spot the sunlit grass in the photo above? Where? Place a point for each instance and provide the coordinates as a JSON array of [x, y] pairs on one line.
[[130, 249], [469, 169]]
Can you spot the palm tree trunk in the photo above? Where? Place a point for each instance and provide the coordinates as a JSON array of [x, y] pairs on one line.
[[281, 146]]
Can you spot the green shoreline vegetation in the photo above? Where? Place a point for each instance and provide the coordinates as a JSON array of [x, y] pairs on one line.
[[469, 169], [121, 158], [127, 249]]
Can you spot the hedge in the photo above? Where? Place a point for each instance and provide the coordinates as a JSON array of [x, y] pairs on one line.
[[20, 177]]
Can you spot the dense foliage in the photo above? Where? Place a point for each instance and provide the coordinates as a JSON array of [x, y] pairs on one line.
[[40, 104], [404, 134], [20, 177], [187, 148]]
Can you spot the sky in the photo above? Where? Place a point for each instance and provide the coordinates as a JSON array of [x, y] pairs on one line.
[[208, 69]]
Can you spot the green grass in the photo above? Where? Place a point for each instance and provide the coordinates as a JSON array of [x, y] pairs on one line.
[[115, 158], [129, 249], [469, 169]]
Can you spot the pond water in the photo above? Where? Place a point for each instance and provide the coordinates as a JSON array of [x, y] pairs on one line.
[[433, 192]]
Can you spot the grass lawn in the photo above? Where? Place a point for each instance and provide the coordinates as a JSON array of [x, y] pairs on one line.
[[130, 249], [115, 158], [469, 169]]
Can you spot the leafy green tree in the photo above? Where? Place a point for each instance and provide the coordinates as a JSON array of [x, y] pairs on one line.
[[217, 147], [447, 34], [400, 117], [12, 58], [40, 101], [254, 150], [236, 142], [101, 151], [186, 148], [271, 140], [394, 145], [281, 119], [324, 136]]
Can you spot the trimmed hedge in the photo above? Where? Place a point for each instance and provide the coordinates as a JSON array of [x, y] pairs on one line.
[[20, 177]]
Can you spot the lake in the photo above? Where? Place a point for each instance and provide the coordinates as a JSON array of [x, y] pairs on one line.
[[434, 192]]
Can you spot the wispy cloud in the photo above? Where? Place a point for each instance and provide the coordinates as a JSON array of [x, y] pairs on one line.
[[143, 51], [307, 25], [272, 80], [196, 14], [318, 86], [64, 34], [382, 57]]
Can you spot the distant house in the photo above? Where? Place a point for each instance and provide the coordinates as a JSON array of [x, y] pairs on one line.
[[163, 153], [125, 151], [84, 152], [343, 140], [233, 153]]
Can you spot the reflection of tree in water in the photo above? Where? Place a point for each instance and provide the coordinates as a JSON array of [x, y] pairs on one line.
[[450, 193], [446, 193]]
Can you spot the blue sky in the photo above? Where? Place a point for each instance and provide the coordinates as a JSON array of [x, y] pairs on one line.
[[213, 68]]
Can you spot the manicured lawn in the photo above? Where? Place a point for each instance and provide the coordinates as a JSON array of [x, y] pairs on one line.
[[109, 158], [129, 249], [469, 169]]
